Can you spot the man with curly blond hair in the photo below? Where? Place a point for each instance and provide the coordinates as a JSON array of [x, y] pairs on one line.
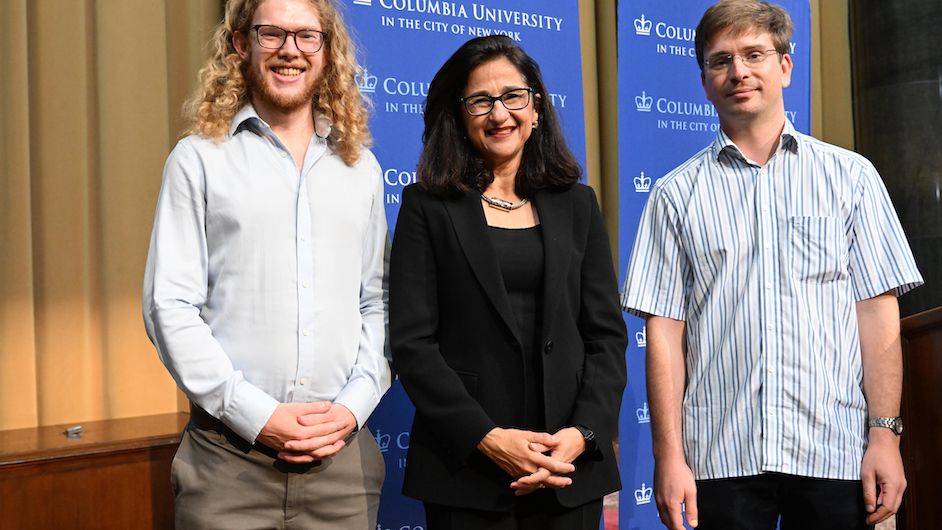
[[264, 291]]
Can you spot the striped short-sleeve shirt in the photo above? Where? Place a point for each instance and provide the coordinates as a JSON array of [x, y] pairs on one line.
[[764, 263]]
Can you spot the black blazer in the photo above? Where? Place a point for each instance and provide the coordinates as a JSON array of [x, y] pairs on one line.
[[455, 348]]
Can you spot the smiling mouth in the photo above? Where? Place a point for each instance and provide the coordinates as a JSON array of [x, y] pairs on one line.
[[287, 71], [500, 132], [741, 92]]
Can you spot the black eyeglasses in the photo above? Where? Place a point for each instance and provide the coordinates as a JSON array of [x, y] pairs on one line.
[[481, 104], [273, 38], [720, 62]]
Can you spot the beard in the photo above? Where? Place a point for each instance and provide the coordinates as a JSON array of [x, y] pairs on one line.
[[260, 87]]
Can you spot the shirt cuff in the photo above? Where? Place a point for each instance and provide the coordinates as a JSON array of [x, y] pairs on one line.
[[643, 309], [249, 411], [358, 396]]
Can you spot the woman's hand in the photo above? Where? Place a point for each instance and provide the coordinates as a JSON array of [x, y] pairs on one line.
[[571, 445], [511, 449]]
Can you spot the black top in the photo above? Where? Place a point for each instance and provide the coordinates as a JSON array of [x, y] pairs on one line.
[[520, 255]]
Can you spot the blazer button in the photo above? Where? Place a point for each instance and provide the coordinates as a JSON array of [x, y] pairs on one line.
[[548, 347]]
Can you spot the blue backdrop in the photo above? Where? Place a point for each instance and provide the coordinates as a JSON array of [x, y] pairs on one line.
[[402, 44], [664, 118]]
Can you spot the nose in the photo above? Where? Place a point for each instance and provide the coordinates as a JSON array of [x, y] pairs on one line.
[[499, 112], [290, 46], [738, 69]]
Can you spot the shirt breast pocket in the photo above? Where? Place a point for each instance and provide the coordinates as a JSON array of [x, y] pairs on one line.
[[819, 249]]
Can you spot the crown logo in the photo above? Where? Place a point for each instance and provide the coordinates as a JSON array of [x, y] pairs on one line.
[[641, 337], [363, 2], [365, 81], [642, 26], [382, 440], [644, 102], [643, 495], [642, 183], [644, 415]]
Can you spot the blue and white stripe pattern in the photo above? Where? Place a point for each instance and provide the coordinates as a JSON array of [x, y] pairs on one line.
[[765, 264]]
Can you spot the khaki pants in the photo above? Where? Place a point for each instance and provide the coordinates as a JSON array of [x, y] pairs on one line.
[[220, 481]]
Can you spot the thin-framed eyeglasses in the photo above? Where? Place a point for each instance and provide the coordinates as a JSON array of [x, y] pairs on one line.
[[481, 104], [273, 38], [722, 61]]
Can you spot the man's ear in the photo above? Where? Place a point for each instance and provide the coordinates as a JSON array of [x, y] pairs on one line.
[[787, 67], [241, 44]]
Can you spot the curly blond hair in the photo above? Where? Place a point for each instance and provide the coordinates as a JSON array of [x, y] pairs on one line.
[[223, 89]]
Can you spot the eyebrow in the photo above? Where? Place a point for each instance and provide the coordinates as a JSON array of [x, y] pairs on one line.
[[746, 49], [502, 91], [303, 28]]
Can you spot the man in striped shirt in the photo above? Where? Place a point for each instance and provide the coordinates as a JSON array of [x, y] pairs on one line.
[[767, 267]]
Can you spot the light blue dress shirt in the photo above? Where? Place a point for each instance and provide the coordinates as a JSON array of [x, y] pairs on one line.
[[266, 284], [765, 264]]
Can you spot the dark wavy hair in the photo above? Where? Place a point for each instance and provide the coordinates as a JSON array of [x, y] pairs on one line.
[[449, 165]]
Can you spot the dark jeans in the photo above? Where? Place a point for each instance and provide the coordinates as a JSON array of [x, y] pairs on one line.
[[537, 511], [755, 503]]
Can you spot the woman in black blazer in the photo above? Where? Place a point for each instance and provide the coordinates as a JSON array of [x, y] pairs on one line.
[[504, 320]]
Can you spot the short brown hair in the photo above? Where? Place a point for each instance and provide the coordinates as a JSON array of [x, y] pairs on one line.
[[744, 16]]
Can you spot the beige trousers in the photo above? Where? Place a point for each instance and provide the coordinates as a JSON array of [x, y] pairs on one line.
[[221, 482]]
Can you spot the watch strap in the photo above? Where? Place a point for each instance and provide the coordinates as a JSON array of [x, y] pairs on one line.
[[894, 424], [588, 435]]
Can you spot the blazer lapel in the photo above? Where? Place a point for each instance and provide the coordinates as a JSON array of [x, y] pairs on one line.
[[470, 225], [555, 211]]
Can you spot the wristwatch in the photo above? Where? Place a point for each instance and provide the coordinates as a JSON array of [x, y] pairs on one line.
[[588, 436], [893, 424]]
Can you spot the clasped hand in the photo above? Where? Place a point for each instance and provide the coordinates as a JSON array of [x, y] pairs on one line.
[[535, 459], [304, 432]]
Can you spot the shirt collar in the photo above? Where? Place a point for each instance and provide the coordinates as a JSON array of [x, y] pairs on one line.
[[246, 118], [788, 141]]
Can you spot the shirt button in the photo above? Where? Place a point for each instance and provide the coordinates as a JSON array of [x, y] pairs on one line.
[[303, 239], [305, 333], [284, 154], [302, 382], [304, 284], [768, 285]]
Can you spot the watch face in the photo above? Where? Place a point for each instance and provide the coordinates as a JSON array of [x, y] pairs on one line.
[[898, 425]]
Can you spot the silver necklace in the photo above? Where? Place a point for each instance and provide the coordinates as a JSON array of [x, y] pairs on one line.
[[501, 204]]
